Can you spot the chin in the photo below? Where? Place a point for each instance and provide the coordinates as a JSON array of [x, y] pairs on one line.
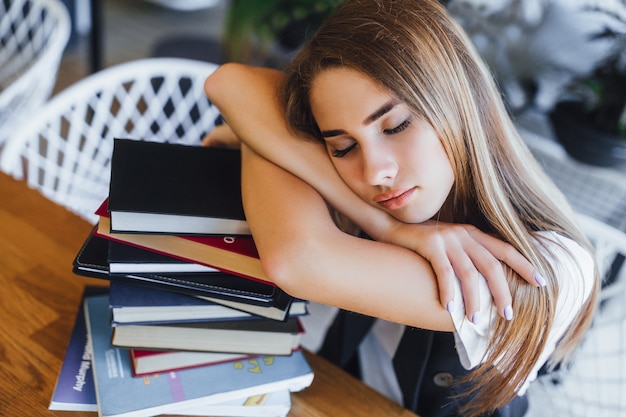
[[411, 218]]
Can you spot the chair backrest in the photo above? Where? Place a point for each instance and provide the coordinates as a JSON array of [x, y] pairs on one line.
[[65, 149], [610, 250], [594, 384], [33, 35], [598, 192]]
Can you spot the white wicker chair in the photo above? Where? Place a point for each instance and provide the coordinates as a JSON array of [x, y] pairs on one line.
[[33, 35], [595, 382], [64, 151]]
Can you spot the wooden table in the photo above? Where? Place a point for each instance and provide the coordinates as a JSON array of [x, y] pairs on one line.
[[39, 297]]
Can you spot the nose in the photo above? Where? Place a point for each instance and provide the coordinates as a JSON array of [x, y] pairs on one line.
[[379, 166]]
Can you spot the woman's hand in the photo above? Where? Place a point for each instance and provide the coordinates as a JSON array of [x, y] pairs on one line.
[[221, 136], [463, 252]]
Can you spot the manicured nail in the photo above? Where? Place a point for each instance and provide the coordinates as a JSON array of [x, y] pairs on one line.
[[508, 313], [539, 279], [450, 306], [476, 317]]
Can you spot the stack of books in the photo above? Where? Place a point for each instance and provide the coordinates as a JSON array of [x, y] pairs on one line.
[[190, 324]]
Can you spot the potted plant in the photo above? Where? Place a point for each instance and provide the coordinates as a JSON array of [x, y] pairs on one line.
[[590, 119], [266, 32]]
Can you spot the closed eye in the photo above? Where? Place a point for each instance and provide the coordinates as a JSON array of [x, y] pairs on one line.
[[398, 128], [340, 153]]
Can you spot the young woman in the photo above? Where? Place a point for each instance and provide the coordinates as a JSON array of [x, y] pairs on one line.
[[411, 143]]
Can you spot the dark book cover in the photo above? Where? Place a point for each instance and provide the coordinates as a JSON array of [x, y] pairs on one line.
[[234, 291], [141, 304], [132, 259], [252, 337], [191, 183], [74, 389]]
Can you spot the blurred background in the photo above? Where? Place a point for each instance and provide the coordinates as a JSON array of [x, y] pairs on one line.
[[131, 30]]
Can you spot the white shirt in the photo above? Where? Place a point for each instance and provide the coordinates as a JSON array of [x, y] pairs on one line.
[[378, 348]]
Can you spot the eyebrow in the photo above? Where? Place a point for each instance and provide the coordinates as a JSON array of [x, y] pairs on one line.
[[377, 114]]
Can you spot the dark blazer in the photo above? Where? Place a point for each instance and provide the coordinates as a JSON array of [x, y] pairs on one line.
[[426, 363]]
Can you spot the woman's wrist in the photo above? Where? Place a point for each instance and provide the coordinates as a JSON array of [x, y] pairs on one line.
[[378, 224]]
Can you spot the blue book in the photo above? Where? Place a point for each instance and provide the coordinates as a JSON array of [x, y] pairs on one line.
[[121, 395], [140, 304], [74, 389]]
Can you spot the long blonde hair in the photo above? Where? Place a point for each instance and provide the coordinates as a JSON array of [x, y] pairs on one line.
[[417, 52]]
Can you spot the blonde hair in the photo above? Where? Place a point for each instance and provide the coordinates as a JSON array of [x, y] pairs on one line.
[[417, 52]]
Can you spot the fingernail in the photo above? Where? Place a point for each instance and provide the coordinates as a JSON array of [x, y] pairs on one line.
[[508, 312], [539, 279], [476, 317], [450, 306]]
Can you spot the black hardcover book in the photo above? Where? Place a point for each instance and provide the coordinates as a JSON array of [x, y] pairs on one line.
[[124, 259], [230, 290], [173, 188]]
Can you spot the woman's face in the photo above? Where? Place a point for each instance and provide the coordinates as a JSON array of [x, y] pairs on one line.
[[384, 153]]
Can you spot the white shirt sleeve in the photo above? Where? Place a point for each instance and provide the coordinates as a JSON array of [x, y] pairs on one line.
[[472, 339]]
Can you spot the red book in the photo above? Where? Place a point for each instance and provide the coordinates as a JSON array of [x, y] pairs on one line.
[[233, 254], [147, 362]]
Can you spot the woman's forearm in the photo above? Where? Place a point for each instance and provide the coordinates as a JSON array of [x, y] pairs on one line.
[[304, 253], [248, 99]]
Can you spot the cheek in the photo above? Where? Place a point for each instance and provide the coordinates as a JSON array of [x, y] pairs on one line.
[[431, 165], [447, 172], [440, 164], [350, 172], [446, 178]]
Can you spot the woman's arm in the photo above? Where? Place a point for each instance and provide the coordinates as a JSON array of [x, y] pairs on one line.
[[248, 99], [304, 253]]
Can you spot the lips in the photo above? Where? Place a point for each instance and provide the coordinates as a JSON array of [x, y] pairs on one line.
[[394, 199]]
